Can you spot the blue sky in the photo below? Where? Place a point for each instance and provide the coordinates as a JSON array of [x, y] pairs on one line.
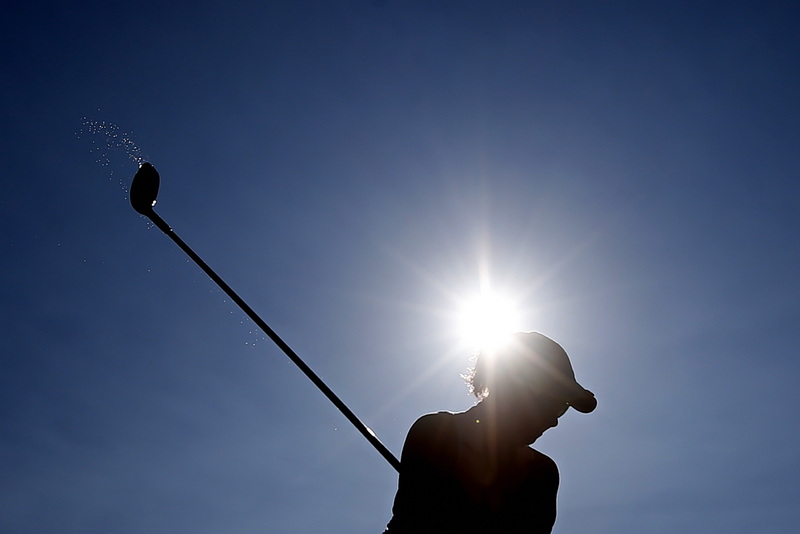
[[628, 170]]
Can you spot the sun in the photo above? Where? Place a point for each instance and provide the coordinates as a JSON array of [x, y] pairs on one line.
[[487, 320]]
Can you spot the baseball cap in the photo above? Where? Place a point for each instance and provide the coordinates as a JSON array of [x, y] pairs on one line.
[[551, 371]]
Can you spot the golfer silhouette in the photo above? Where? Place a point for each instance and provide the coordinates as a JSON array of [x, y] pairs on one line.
[[474, 471]]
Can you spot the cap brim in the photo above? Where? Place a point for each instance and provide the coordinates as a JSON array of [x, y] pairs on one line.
[[583, 400]]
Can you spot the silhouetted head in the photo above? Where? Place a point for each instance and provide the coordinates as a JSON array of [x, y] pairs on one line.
[[533, 366]]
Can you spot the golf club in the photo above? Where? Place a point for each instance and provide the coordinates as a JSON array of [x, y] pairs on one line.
[[143, 193]]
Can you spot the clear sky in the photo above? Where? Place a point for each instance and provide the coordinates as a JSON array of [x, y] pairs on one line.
[[627, 170]]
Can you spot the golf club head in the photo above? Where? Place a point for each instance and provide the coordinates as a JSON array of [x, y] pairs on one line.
[[144, 188]]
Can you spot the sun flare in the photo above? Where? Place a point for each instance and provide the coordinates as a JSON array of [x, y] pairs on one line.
[[486, 321]]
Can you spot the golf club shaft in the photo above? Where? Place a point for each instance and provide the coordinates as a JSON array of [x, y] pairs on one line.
[[347, 412]]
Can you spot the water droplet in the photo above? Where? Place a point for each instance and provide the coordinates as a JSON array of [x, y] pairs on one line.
[[113, 149]]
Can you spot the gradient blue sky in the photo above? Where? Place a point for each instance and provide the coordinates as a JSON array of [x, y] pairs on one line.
[[628, 170]]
